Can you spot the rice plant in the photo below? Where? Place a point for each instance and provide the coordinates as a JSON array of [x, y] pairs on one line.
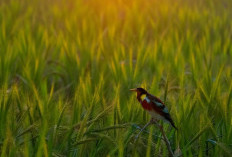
[[66, 68]]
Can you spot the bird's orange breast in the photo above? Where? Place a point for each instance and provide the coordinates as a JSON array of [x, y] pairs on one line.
[[146, 105]]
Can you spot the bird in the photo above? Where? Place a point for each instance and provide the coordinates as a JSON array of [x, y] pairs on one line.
[[154, 106]]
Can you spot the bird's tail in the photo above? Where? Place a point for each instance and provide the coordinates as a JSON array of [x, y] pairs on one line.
[[169, 119], [172, 123]]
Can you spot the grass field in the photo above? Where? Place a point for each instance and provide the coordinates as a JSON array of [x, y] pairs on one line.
[[66, 68]]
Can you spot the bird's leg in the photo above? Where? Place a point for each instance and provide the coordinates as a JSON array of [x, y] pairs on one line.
[[149, 123], [165, 138], [156, 122]]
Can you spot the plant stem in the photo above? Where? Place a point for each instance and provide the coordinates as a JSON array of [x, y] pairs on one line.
[[165, 138]]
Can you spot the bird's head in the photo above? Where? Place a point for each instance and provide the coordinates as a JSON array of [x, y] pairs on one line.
[[140, 91]]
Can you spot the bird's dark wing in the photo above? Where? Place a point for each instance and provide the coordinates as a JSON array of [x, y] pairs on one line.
[[160, 108]]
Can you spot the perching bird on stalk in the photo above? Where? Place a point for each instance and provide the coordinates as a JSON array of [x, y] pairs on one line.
[[154, 106]]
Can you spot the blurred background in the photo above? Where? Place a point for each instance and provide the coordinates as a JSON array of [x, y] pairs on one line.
[[66, 68]]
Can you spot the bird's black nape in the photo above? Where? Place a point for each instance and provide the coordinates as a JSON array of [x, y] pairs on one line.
[[141, 90]]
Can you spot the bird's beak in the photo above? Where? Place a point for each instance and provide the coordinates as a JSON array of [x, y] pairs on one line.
[[133, 89]]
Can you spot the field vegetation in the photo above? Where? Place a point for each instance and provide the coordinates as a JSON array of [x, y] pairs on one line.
[[66, 68]]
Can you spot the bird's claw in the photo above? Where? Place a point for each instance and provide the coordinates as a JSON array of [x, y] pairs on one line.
[[136, 137]]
